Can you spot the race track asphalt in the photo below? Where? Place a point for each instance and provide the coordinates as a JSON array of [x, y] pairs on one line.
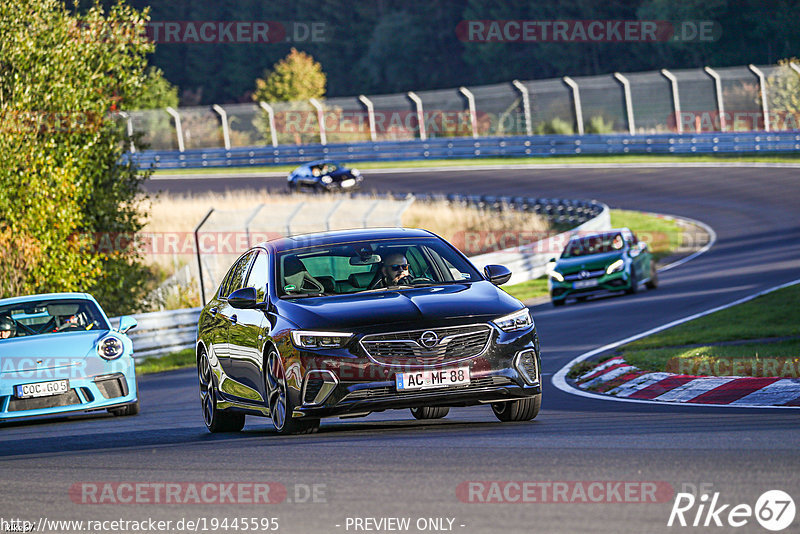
[[389, 465]]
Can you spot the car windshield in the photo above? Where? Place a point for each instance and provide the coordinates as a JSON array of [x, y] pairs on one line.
[[37, 317], [594, 244], [369, 266]]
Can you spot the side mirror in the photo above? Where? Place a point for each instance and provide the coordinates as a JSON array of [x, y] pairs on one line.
[[126, 322], [497, 274], [244, 298]]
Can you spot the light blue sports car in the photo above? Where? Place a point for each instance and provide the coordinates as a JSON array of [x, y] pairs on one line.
[[59, 354]]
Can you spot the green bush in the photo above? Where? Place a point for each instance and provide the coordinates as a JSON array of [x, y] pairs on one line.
[[61, 184], [598, 125], [555, 126]]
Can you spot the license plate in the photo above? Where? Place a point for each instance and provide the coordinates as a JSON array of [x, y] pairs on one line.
[[435, 378], [348, 183], [582, 284], [41, 389]]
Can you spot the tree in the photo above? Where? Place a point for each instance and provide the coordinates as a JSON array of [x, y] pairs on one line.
[[62, 185], [295, 77]]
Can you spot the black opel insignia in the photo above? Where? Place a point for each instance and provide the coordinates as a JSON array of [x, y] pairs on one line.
[[359, 321]]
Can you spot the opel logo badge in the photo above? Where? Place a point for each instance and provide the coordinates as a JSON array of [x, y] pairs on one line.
[[584, 274], [429, 339]]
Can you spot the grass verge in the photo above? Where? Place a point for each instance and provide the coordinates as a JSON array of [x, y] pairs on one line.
[[176, 360], [757, 338], [600, 158], [663, 236]]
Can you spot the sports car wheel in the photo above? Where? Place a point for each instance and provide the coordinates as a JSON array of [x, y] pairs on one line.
[[430, 412], [557, 303], [519, 410], [215, 419], [634, 284], [279, 402], [653, 282]]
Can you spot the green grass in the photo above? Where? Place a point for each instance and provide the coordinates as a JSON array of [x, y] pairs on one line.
[[600, 158], [528, 290], [176, 360], [773, 315]]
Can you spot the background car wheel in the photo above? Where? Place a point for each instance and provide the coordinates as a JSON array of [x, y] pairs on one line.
[[634, 284], [519, 410], [292, 187], [653, 282], [279, 402], [128, 409], [215, 419], [557, 303], [430, 412]]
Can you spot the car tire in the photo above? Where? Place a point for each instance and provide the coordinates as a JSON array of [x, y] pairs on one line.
[[279, 401], [216, 420], [430, 412], [634, 284], [292, 187], [653, 282], [519, 410], [128, 409], [557, 303]]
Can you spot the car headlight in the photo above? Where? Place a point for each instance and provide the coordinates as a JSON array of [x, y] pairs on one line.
[[519, 320], [616, 267], [557, 276], [326, 179], [110, 348], [304, 339], [355, 172]]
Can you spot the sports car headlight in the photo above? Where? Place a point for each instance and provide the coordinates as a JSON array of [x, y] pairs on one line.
[[326, 179], [557, 276], [110, 348], [304, 339], [519, 320], [355, 172], [616, 267]]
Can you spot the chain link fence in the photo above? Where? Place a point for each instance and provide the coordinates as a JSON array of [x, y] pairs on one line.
[[743, 98]]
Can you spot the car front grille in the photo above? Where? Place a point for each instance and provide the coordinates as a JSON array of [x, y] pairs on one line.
[[51, 401], [404, 348], [389, 392], [588, 274]]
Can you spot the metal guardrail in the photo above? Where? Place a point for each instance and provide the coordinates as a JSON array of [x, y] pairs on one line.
[[161, 333], [459, 147]]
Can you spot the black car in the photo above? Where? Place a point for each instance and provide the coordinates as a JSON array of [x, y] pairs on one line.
[[352, 322], [324, 175]]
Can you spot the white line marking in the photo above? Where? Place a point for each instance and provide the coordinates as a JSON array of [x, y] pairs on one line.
[[637, 384], [610, 375], [783, 390], [560, 378], [694, 388]]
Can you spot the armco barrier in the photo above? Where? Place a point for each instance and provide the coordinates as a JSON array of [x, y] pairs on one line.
[[161, 333], [467, 147]]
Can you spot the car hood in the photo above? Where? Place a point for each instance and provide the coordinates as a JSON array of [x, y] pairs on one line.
[[587, 263], [424, 306], [52, 350]]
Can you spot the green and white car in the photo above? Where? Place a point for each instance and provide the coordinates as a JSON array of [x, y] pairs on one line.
[[608, 261]]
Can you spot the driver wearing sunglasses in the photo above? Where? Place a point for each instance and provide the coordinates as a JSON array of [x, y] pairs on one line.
[[395, 270]]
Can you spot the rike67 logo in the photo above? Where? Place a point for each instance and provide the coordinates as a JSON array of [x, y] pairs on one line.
[[774, 510]]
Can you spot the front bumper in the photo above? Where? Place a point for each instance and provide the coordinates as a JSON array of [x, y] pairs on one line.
[[606, 283], [86, 392], [358, 385]]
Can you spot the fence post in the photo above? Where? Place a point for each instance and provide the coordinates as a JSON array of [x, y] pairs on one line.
[[197, 251], [178, 127], [762, 89], [473, 115], [329, 215], [720, 104], [626, 91], [129, 126], [248, 221], [526, 105], [271, 114], [292, 216], [795, 67], [365, 219], [420, 115], [226, 135], [676, 101], [323, 138], [576, 97], [370, 116]]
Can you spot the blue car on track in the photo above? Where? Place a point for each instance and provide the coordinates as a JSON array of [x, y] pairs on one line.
[[59, 354]]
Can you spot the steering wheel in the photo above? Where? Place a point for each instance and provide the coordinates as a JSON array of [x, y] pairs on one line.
[[425, 279]]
